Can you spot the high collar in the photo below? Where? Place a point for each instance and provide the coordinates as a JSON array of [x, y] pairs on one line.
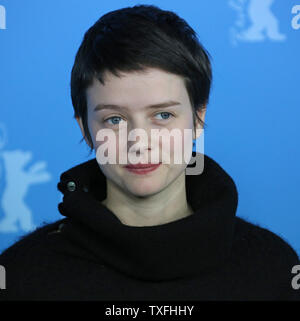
[[181, 248]]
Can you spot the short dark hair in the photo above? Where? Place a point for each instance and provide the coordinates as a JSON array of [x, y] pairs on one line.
[[132, 39]]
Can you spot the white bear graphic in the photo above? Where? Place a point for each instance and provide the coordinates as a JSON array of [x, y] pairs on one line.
[[263, 22], [18, 180]]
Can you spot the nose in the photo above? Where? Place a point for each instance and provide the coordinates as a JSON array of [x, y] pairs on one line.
[[139, 138]]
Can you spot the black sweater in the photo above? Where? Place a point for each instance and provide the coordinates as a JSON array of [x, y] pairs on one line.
[[90, 255]]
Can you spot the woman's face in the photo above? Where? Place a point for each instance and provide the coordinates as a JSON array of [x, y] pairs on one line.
[[133, 94]]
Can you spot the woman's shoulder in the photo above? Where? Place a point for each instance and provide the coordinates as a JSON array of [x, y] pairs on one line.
[[265, 258], [30, 243], [28, 261], [267, 255], [253, 237]]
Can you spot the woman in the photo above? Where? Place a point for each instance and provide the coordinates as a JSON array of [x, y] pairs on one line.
[[146, 230]]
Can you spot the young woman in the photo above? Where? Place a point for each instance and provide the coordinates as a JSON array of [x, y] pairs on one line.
[[146, 231]]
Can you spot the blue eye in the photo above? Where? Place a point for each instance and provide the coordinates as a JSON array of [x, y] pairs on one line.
[[113, 120], [165, 115]]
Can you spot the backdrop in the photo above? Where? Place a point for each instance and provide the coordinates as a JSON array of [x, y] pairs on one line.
[[252, 118]]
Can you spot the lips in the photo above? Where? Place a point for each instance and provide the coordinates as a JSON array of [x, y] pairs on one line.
[[142, 169], [141, 166]]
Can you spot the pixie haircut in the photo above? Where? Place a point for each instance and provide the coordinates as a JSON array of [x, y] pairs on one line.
[[132, 39]]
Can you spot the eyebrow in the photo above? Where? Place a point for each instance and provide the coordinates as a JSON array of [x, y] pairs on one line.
[[154, 106]]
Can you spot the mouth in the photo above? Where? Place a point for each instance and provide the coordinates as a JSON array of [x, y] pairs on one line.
[[142, 169]]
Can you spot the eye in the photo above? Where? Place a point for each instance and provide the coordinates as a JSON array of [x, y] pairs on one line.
[[114, 119], [165, 115]]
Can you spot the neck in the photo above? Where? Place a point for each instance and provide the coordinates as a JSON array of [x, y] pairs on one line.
[[164, 207]]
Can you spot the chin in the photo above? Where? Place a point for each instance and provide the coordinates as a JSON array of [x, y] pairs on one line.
[[144, 189]]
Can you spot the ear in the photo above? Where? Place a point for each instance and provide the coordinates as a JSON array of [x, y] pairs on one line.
[[198, 130], [79, 121]]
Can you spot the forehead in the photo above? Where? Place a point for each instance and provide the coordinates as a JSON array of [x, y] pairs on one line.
[[137, 89]]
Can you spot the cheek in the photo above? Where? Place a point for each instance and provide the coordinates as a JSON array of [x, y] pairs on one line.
[[181, 144], [111, 148], [105, 142]]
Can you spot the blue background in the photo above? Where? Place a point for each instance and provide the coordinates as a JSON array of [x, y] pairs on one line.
[[252, 118]]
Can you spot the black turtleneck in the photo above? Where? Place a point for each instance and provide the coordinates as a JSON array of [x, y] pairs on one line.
[[91, 255]]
